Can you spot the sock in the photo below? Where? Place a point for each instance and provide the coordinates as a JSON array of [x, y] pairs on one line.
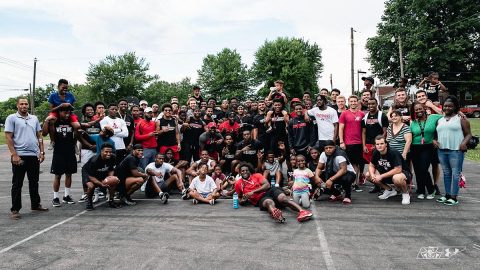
[[55, 194], [160, 194], [67, 191]]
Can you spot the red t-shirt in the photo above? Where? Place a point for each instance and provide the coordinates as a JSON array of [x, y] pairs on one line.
[[225, 126], [243, 186], [352, 132]]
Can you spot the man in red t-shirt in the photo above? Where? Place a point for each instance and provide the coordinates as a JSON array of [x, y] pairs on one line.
[[253, 187]]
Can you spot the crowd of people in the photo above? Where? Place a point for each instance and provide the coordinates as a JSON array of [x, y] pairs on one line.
[[271, 152]]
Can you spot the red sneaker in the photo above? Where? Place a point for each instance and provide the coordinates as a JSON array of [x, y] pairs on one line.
[[304, 215], [277, 215], [334, 198]]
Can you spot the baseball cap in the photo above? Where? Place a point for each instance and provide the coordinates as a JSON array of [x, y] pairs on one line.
[[211, 125], [368, 79], [148, 109], [145, 102], [137, 146]]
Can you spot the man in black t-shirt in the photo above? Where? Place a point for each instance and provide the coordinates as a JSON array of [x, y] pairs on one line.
[[247, 150], [168, 134], [374, 123], [130, 177], [99, 170], [389, 168]]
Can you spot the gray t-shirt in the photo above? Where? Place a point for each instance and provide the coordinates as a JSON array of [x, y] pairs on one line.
[[24, 133], [336, 164]]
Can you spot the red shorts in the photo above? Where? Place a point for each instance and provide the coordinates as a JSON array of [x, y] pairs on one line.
[[176, 154], [73, 117], [368, 156]]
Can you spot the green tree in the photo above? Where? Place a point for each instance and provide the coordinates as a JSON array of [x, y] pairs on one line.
[[293, 60], [160, 92], [116, 77], [224, 75], [437, 35], [7, 107]]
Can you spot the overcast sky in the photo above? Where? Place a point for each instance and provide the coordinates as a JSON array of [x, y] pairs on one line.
[[173, 36]]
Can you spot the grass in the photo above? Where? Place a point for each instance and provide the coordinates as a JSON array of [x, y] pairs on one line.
[[475, 126], [2, 138]]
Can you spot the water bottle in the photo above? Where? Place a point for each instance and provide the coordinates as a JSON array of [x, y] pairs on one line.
[[272, 182], [235, 200]]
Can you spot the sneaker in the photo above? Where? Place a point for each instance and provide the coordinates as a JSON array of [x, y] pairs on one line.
[[387, 194], [277, 215], [442, 199], [317, 193], [68, 199], [89, 205], [212, 201], [347, 201], [437, 190], [405, 198], [143, 187], [361, 179], [15, 215], [356, 188], [128, 202], [194, 201], [96, 197], [56, 202], [51, 145], [101, 195], [185, 194], [451, 202], [304, 215], [375, 189], [164, 197], [431, 196], [421, 196], [113, 204], [83, 198], [334, 198]]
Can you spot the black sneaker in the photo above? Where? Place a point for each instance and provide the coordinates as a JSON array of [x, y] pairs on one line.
[[113, 204], [127, 201], [164, 197], [89, 205], [56, 202], [185, 194], [376, 189], [83, 198], [356, 188], [68, 199]]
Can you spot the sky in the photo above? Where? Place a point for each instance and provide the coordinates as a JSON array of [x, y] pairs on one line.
[[173, 36]]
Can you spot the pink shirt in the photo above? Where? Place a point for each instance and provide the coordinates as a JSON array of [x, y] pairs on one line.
[[352, 132]]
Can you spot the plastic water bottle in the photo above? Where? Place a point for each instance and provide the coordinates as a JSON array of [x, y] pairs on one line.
[[272, 182], [235, 200]]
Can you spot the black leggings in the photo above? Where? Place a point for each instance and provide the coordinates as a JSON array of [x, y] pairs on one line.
[[346, 182], [422, 158]]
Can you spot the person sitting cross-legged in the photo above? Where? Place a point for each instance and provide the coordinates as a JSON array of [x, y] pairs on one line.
[[203, 187], [162, 176], [388, 167]]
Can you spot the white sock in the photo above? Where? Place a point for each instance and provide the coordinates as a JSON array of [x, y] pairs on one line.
[[67, 191], [160, 194], [55, 195]]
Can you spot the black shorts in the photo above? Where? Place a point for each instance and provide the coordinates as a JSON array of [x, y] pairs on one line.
[[150, 192], [389, 181], [272, 194], [355, 153], [64, 164]]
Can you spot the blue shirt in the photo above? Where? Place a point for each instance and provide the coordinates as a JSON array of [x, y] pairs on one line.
[[99, 140], [24, 131], [55, 99]]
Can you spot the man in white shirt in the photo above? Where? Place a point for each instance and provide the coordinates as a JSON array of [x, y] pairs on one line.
[[327, 121], [162, 176], [120, 131]]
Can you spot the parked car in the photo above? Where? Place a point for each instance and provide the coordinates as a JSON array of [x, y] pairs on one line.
[[471, 111]]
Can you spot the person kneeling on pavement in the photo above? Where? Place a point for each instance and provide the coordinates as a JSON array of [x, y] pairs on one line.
[[335, 170], [162, 176], [389, 168], [99, 170], [254, 188]]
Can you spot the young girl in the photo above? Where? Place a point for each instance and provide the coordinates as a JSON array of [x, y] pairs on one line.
[[203, 188], [218, 177], [301, 184]]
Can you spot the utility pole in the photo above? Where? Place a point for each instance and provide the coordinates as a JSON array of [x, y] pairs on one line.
[[32, 100], [400, 52], [33, 89], [352, 67], [331, 82]]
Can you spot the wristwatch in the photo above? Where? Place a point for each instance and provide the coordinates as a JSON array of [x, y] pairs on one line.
[[42, 153]]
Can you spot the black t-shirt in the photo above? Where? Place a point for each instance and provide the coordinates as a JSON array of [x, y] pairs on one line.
[[99, 168], [64, 140], [259, 124], [279, 126], [124, 169], [193, 132], [373, 126], [387, 162], [246, 123], [199, 99], [228, 157], [250, 155], [130, 127], [432, 91], [168, 138]]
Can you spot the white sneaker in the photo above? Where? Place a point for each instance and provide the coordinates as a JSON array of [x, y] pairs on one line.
[[405, 198], [142, 188], [421, 196], [95, 197], [431, 196], [387, 194]]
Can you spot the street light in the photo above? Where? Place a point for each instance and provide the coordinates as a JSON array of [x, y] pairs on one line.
[[358, 78], [400, 49]]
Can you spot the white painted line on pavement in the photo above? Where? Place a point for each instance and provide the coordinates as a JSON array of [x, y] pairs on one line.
[[44, 230], [323, 240], [469, 198]]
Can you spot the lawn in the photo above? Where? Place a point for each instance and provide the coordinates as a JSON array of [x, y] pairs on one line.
[[2, 138], [475, 126]]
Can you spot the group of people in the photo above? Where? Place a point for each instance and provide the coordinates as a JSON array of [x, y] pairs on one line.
[[271, 153]]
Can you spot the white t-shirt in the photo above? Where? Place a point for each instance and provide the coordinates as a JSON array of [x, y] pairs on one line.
[[336, 165], [165, 168], [206, 186], [325, 120], [120, 130]]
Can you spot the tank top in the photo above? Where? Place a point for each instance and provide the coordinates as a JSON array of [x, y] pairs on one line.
[[450, 133]]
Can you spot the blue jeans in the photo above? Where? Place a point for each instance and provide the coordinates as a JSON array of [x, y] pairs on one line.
[[452, 164], [148, 157]]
